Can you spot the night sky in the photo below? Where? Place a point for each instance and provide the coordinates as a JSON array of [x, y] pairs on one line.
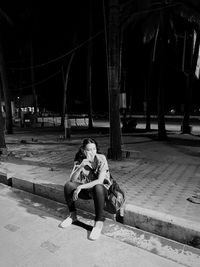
[[55, 30]]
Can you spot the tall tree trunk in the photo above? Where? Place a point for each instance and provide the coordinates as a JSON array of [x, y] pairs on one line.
[[147, 97], [2, 136], [6, 92], [90, 126], [35, 101], [147, 108], [89, 69], [65, 81], [150, 81], [162, 135], [186, 129], [113, 79], [122, 79], [20, 93]]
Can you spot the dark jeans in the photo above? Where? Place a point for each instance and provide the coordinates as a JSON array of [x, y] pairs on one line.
[[99, 194]]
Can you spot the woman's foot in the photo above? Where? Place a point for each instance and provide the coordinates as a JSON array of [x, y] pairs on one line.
[[69, 220], [96, 231]]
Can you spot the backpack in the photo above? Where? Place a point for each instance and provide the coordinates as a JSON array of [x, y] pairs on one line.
[[116, 197]]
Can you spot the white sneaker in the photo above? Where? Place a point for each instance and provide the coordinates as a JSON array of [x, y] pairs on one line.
[[96, 231], [69, 220]]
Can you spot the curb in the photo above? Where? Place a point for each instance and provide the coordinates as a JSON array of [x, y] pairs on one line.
[[53, 192], [174, 228], [168, 226]]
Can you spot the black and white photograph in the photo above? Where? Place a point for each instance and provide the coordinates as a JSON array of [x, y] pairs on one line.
[[100, 133]]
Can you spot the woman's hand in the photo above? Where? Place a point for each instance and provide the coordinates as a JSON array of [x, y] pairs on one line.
[[90, 155], [86, 162], [76, 192]]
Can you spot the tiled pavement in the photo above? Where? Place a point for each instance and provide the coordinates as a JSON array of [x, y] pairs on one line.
[[157, 178]]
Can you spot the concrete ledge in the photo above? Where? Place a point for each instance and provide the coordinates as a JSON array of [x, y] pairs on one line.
[[3, 178], [54, 192], [186, 232], [50, 191], [171, 227], [23, 185]]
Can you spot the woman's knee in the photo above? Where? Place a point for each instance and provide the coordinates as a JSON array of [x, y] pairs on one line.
[[69, 187], [99, 189]]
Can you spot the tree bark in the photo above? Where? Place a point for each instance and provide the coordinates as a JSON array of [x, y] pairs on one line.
[[2, 136], [147, 108], [65, 80], [6, 92], [35, 102], [147, 96], [162, 135], [89, 69], [150, 81], [186, 129], [113, 79]]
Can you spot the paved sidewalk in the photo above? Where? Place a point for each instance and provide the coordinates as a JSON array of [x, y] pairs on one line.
[[158, 177]]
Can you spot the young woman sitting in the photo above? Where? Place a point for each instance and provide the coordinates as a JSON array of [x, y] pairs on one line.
[[90, 178]]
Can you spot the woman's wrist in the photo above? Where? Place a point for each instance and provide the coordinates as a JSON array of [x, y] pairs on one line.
[[80, 187], [80, 167]]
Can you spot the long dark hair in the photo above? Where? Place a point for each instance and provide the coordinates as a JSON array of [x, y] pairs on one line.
[[80, 155]]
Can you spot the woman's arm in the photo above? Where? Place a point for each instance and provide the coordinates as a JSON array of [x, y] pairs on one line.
[[100, 180], [103, 168], [77, 170], [88, 185], [92, 184]]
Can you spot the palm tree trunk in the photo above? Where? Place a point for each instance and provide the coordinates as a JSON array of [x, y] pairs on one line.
[[162, 135], [113, 79], [149, 82], [186, 129], [147, 108], [6, 92], [65, 80], [147, 97], [20, 94], [89, 69], [2, 136], [90, 126], [35, 102]]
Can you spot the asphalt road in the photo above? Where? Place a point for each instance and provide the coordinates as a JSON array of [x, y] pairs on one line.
[[30, 236]]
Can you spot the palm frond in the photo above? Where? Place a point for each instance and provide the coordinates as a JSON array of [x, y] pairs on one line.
[[150, 26], [141, 9], [5, 17], [189, 15]]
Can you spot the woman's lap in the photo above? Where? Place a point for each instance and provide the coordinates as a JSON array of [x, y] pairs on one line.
[[84, 193]]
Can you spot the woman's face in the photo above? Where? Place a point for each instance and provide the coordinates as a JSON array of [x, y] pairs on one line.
[[90, 151]]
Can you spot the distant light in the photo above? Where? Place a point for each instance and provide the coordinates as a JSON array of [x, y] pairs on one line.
[[18, 97], [172, 111]]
